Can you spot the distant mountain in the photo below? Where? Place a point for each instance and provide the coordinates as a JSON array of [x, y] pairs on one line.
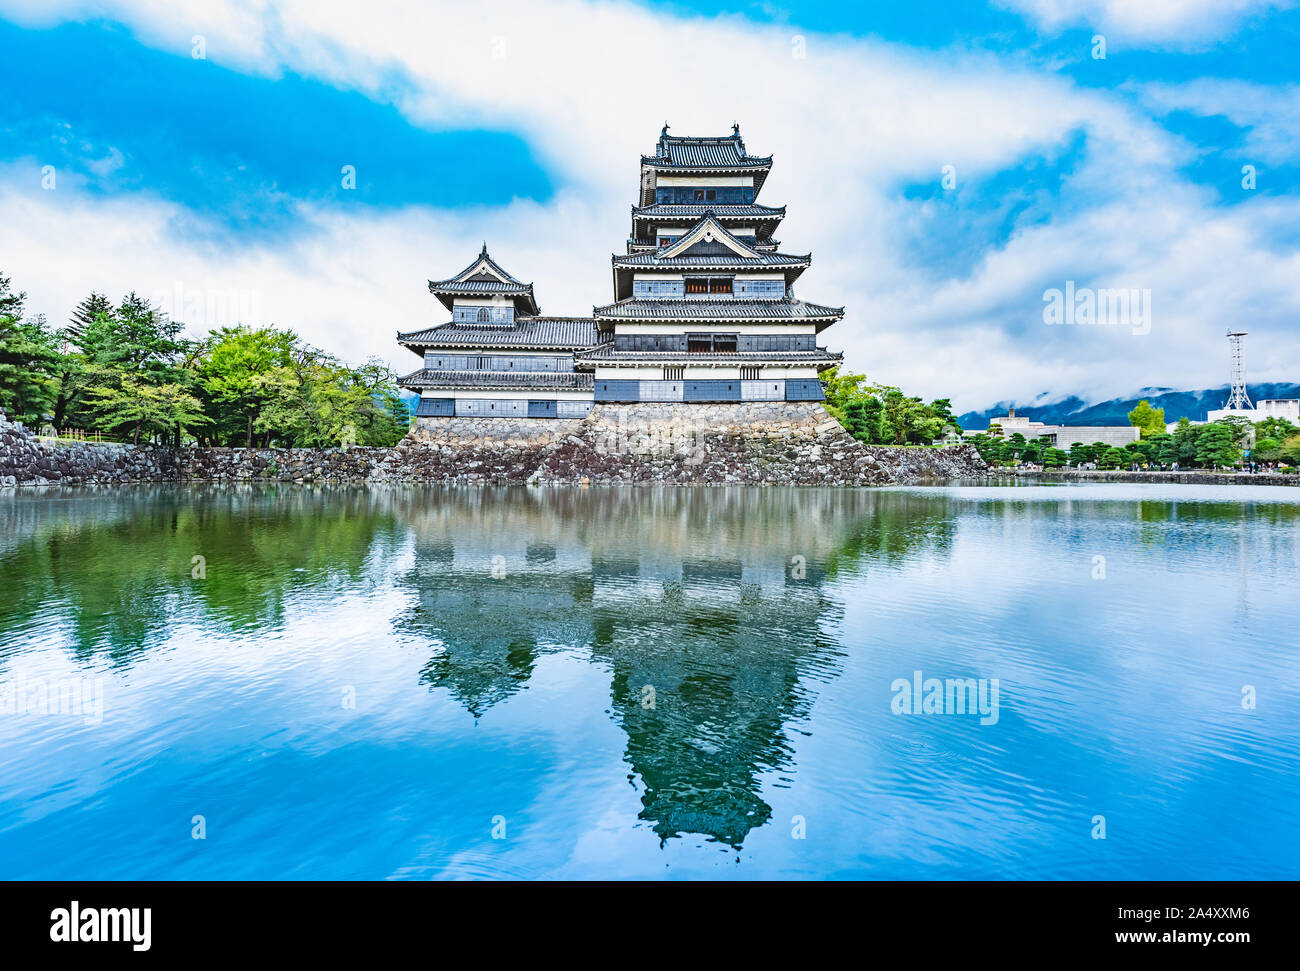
[[1076, 411]]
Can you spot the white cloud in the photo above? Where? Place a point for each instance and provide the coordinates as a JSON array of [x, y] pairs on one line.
[[1164, 23], [1271, 113], [589, 87]]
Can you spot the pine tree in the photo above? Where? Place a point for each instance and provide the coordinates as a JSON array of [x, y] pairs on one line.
[[11, 304], [94, 305]]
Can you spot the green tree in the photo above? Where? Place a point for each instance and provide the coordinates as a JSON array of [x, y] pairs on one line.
[[1110, 458], [1055, 458], [990, 449], [1274, 427], [239, 372], [1243, 429], [93, 306], [160, 411], [29, 352], [1267, 450], [12, 302], [1217, 445], [1289, 450], [1182, 446], [883, 415], [841, 389], [1150, 421]]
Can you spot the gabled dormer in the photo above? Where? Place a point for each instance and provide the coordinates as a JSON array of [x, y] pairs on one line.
[[709, 237], [708, 259], [484, 292]]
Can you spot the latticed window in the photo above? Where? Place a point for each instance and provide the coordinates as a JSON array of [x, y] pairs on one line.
[[711, 343], [483, 315], [749, 374], [674, 373], [697, 285], [656, 288], [761, 288]]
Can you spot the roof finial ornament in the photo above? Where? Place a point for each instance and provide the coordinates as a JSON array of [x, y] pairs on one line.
[[735, 128], [484, 252]]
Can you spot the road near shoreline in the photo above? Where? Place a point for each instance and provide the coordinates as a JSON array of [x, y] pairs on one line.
[[1185, 478]]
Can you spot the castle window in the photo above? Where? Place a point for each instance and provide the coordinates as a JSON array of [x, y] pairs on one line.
[[710, 195], [704, 284], [724, 343], [674, 373], [483, 315], [749, 374], [656, 288]]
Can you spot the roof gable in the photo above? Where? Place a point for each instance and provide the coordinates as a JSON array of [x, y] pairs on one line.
[[708, 237], [484, 270]]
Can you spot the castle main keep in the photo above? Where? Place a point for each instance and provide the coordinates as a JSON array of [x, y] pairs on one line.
[[704, 311]]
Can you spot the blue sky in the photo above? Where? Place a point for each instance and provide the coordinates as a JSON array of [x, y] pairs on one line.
[[215, 182]]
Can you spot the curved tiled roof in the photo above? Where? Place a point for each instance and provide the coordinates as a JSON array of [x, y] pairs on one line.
[[607, 353], [540, 333], [478, 286], [723, 151], [725, 308], [719, 260], [686, 210], [481, 258], [492, 380]]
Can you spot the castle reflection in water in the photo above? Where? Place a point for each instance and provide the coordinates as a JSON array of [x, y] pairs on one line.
[[709, 607]]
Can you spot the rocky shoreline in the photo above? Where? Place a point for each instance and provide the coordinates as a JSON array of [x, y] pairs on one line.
[[763, 443]]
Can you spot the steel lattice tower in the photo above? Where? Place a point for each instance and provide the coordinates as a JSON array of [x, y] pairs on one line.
[[1238, 400]]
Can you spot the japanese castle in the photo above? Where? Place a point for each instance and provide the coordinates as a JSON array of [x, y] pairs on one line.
[[704, 309]]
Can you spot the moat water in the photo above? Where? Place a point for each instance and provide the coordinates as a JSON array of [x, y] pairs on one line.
[[638, 683]]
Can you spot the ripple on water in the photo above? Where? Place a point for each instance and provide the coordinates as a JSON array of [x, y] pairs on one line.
[[639, 679]]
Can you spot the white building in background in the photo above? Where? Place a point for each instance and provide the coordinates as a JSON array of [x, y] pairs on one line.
[[1288, 408], [1062, 436]]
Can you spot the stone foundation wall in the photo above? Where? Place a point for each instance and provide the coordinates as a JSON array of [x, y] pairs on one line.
[[297, 465], [768, 443], [483, 432], [756, 443], [27, 459], [797, 419]]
